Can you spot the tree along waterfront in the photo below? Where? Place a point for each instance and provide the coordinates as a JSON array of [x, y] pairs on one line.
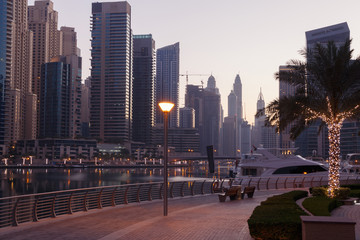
[[20, 181]]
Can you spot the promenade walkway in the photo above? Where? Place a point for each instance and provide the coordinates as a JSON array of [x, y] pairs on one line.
[[198, 217], [352, 212]]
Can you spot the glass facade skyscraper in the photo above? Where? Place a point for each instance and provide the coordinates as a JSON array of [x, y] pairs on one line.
[[167, 81], [143, 88], [111, 72]]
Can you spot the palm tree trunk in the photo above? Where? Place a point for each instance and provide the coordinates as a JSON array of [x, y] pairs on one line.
[[334, 158]]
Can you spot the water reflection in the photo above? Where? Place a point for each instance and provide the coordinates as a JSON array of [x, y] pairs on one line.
[[27, 181]]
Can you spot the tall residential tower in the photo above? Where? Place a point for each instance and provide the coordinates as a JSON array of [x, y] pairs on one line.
[[111, 72], [17, 103], [144, 88], [167, 81]]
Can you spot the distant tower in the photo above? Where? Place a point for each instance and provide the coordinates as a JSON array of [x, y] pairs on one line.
[[210, 132], [85, 107], [167, 81], [260, 104], [238, 92], [211, 85], [187, 117], [259, 121], [229, 136], [232, 110], [144, 69], [111, 72]]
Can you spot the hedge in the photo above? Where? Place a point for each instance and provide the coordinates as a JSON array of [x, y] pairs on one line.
[[278, 217], [321, 206]]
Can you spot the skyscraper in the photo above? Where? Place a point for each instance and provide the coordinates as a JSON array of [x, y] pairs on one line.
[[17, 103], [187, 117], [85, 107], [47, 40], [311, 139], [229, 136], [337, 33], [238, 92], [232, 111], [167, 81], [69, 41], [210, 130], [143, 88], [259, 121], [111, 72]]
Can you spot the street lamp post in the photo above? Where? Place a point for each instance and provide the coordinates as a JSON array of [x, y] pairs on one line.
[[166, 108]]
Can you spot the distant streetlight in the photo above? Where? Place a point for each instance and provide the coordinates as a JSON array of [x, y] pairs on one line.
[[166, 108]]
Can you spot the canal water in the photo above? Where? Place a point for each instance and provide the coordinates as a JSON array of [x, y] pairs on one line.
[[20, 181]]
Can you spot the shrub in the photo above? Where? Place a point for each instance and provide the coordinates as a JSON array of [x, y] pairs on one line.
[[355, 193], [352, 186], [278, 217], [321, 206], [319, 192], [341, 193]]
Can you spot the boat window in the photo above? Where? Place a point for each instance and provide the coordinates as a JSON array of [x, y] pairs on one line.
[[249, 172], [300, 169]]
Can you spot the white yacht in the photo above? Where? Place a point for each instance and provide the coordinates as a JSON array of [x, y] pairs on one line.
[[277, 162], [351, 164]]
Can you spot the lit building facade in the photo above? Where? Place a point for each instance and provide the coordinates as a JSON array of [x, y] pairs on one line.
[[111, 72], [144, 68]]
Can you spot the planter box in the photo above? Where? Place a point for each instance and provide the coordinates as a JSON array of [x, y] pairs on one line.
[[319, 228]]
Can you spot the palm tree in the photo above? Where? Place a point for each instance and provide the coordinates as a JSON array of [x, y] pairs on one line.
[[327, 87]]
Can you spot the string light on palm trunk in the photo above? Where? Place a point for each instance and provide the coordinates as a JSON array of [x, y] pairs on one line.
[[334, 157]]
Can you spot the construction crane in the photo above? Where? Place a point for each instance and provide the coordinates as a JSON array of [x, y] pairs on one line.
[[192, 74]]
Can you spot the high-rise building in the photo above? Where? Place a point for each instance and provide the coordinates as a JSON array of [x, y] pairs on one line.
[[232, 104], [85, 108], [337, 33], [259, 122], [17, 103], [210, 130], [111, 72], [187, 117], [229, 136], [245, 136], [194, 99], [167, 81], [69, 41], [60, 98], [143, 88], [47, 40], [311, 140], [238, 92]]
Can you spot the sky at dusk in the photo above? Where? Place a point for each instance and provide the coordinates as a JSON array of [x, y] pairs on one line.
[[225, 38]]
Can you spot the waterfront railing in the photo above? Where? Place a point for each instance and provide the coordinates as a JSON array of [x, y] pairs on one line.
[[34, 207]]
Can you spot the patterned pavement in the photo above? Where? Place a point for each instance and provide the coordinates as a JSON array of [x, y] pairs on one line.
[[195, 218], [352, 212]]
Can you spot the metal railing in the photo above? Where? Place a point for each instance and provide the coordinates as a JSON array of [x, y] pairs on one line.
[[290, 182], [34, 207], [26, 208]]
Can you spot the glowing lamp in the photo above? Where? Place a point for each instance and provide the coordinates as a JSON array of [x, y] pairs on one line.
[[166, 106]]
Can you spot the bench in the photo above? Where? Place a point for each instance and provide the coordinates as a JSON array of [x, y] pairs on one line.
[[233, 192], [249, 191]]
